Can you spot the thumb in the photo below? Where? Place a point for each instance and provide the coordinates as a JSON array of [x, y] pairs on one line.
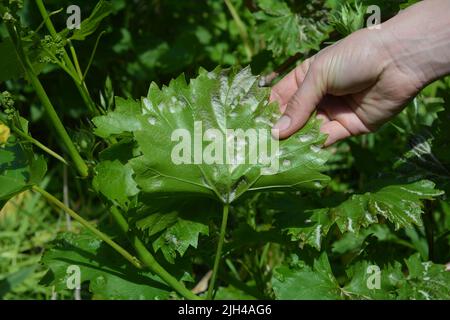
[[302, 104]]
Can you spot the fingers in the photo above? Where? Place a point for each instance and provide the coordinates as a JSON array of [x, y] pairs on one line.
[[302, 103], [286, 87], [335, 131], [333, 128]]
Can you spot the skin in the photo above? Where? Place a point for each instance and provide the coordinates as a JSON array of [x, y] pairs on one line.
[[364, 80]]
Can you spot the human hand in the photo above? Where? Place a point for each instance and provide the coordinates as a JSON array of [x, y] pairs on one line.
[[362, 81]]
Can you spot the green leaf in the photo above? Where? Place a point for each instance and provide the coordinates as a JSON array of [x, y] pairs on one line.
[[179, 237], [400, 204], [115, 181], [19, 170], [306, 283], [123, 119], [363, 284], [232, 293], [89, 25], [425, 281], [285, 32], [214, 103], [107, 274], [364, 281], [307, 227]]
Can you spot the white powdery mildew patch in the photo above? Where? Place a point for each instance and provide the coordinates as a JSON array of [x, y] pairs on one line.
[[369, 217], [318, 235], [350, 225], [305, 138], [425, 294], [413, 191], [383, 212]]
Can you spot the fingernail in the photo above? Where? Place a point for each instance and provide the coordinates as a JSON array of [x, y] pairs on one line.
[[283, 123]]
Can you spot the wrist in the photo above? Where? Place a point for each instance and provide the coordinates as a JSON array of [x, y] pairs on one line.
[[417, 41]]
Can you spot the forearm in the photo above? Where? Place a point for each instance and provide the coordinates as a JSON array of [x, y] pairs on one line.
[[418, 40]]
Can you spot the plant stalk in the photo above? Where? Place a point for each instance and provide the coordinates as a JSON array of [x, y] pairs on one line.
[[79, 82], [148, 259], [241, 27], [124, 253], [218, 256], [50, 110]]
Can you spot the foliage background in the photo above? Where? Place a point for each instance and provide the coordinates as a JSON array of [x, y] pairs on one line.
[[144, 41]]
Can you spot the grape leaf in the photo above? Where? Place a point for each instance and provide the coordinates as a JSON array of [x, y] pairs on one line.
[[123, 119], [363, 284], [178, 238], [425, 281], [108, 276], [115, 181], [400, 204], [214, 103], [306, 283], [365, 281], [286, 32], [306, 227]]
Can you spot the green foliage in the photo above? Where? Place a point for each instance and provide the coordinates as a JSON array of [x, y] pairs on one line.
[[318, 281], [107, 275], [366, 219]]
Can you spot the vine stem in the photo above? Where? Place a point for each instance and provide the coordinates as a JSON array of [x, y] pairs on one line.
[[150, 261], [124, 253], [79, 79], [241, 27], [218, 257], [50, 110]]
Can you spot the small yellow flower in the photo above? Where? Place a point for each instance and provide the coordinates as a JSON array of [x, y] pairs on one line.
[[4, 133]]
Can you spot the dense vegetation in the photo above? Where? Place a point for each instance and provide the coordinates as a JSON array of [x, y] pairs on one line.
[[86, 179]]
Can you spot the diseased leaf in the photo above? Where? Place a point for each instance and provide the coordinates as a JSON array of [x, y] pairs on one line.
[[179, 237], [109, 277], [307, 227], [425, 281], [369, 282], [123, 119], [286, 32], [182, 124], [400, 204]]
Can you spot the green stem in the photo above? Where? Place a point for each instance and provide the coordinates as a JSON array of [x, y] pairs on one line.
[[218, 257], [148, 259], [50, 110], [79, 80], [241, 27], [38, 144], [124, 253]]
